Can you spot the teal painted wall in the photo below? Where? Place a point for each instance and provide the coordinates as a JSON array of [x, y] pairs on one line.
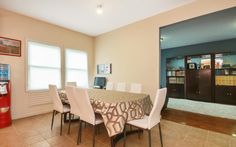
[[204, 48]]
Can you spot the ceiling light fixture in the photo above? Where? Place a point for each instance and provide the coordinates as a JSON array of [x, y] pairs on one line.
[[234, 134], [99, 9]]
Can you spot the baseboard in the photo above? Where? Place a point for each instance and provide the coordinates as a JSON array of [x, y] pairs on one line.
[[212, 109], [15, 116]]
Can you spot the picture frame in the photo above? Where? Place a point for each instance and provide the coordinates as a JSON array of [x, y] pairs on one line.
[[192, 65], [104, 68], [10, 47]]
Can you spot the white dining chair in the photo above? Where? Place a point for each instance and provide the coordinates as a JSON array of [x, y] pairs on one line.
[[135, 88], [70, 94], [148, 122], [120, 87], [57, 105], [83, 109], [109, 86], [71, 84]]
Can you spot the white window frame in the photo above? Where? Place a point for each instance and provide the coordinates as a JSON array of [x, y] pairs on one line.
[[27, 66], [76, 50]]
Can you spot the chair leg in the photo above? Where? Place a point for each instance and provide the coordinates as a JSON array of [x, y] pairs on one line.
[[94, 131], [125, 136], [130, 127], [69, 123], [53, 113], [61, 123], [160, 134], [139, 133], [79, 132], [112, 145], [98, 128], [149, 138]]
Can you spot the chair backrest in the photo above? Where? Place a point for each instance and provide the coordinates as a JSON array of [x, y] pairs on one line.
[[120, 86], [71, 84], [85, 109], [155, 115], [109, 86], [70, 93], [53, 93], [135, 88]]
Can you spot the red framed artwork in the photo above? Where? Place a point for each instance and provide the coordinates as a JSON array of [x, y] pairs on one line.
[[10, 47]]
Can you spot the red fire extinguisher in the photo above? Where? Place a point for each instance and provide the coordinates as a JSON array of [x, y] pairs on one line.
[[5, 96]]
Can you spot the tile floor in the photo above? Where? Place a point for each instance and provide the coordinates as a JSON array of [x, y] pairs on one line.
[[35, 132]]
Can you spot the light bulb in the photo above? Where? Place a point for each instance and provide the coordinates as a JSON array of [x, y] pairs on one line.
[[99, 9]]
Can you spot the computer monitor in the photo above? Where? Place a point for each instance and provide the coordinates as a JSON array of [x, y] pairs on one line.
[[99, 82]]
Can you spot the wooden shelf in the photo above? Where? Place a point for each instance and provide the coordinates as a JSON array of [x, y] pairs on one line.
[[225, 75], [198, 69], [176, 76], [225, 68], [175, 70]]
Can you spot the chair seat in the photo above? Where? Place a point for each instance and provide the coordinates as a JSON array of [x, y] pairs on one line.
[[140, 123], [98, 119], [66, 108]]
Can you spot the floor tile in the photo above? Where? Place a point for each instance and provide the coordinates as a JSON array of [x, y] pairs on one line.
[[36, 132]]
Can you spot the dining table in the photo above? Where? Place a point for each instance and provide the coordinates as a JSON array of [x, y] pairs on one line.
[[116, 107]]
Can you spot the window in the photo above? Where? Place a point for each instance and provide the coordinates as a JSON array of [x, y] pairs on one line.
[[76, 67], [44, 66]]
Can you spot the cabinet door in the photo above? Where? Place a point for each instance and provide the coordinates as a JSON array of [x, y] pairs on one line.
[[175, 90], [192, 82], [205, 85], [225, 95], [232, 93], [221, 94], [199, 85]]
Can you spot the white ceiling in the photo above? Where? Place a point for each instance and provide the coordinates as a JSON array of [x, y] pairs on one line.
[[80, 15], [212, 27]]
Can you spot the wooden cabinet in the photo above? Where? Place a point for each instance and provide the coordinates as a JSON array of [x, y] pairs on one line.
[[198, 85], [175, 90], [175, 77], [225, 78], [225, 94], [209, 78], [199, 77]]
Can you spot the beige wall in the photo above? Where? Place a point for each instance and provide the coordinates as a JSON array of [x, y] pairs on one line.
[[24, 28], [133, 50]]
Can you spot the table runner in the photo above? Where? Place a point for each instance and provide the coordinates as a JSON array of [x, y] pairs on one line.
[[116, 107]]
